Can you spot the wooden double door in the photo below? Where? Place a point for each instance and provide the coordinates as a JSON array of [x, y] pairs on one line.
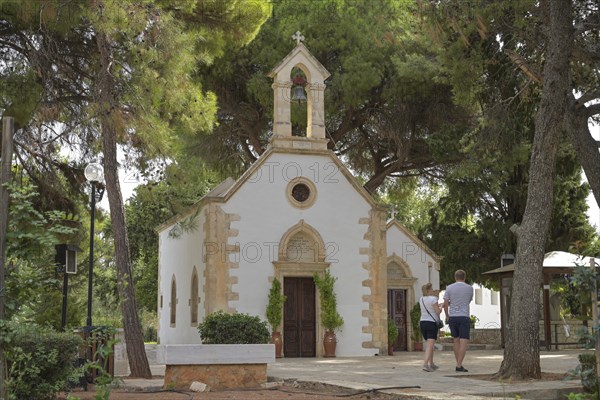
[[397, 313], [299, 317]]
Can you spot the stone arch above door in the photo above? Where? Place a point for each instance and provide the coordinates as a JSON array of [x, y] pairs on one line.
[[399, 273], [311, 259], [303, 240]]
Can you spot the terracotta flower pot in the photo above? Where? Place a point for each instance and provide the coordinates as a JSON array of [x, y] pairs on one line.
[[329, 343], [278, 342], [390, 349], [418, 346]]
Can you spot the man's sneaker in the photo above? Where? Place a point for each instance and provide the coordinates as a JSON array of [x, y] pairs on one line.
[[435, 367], [427, 368], [461, 369]]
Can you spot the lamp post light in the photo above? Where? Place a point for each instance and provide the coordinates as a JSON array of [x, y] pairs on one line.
[[94, 174]]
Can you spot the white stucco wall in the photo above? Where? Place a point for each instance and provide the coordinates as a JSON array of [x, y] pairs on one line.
[[266, 214], [178, 256], [419, 261]]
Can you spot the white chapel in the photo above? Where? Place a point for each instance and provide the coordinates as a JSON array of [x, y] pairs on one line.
[[295, 212]]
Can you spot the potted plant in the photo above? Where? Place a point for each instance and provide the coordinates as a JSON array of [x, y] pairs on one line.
[[330, 318], [417, 338], [392, 336], [274, 314]]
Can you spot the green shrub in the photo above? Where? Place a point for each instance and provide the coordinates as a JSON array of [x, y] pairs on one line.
[[222, 328], [40, 361], [392, 331], [149, 322], [330, 318], [150, 334], [587, 371], [275, 305], [415, 317], [473, 320]]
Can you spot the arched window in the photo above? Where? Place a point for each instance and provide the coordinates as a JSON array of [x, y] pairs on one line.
[[173, 304], [194, 300]]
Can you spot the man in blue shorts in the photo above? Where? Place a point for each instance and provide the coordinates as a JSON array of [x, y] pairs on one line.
[[457, 298]]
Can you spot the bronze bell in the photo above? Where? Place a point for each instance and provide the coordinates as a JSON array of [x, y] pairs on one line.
[[298, 94]]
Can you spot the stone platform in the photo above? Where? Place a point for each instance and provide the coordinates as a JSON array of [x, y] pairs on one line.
[[225, 366]]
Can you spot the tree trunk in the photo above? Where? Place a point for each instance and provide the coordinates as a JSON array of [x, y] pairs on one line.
[[5, 177], [108, 104], [521, 353], [584, 144]]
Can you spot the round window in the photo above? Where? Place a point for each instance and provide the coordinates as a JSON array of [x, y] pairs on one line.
[[300, 192]]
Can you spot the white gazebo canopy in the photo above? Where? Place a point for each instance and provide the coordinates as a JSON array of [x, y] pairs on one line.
[[554, 259]]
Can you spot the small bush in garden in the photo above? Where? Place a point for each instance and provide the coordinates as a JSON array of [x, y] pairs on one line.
[[40, 361], [222, 328], [587, 371], [150, 334]]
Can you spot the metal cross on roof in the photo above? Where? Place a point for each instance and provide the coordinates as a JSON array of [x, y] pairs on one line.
[[298, 37], [394, 212]]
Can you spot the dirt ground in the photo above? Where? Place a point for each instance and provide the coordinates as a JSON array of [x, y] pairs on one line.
[[285, 392]]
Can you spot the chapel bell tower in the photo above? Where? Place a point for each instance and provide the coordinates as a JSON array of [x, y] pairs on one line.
[[314, 85]]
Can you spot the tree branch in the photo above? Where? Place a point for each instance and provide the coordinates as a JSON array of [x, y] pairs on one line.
[[592, 110], [524, 66], [588, 97]]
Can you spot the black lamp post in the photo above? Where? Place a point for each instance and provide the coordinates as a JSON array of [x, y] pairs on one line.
[[66, 263], [94, 174]]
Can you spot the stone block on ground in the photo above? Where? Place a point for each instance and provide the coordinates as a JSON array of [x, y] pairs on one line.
[[198, 387]]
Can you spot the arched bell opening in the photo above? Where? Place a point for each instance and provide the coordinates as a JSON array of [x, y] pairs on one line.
[[298, 102]]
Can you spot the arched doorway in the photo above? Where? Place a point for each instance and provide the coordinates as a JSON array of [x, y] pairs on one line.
[[400, 299], [301, 255]]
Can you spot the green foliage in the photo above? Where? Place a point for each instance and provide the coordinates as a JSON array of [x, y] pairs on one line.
[[415, 317], [581, 396], [154, 203], [31, 232], [31, 277], [584, 278], [40, 361], [330, 318], [149, 321], [275, 304], [392, 331], [46, 308], [574, 302], [378, 100], [587, 372], [473, 320], [223, 328], [576, 298], [413, 200], [486, 193]]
